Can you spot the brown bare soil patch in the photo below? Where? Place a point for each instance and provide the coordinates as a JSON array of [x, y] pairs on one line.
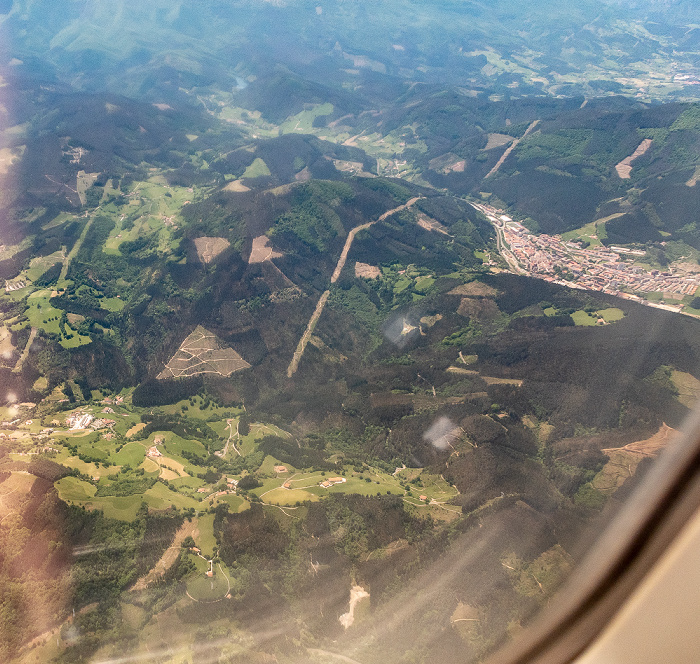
[[432, 225], [624, 460], [650, 446], [201, 353], [170, 555], [447, 163], [478, 308], [497, 140], [167, 474], [166, 463], [262, 251], [14, 491], [489, 380], [367, 271], [74, 319], [473, 289], [208, 248], [135, 429], [624, 168], [418, 401], [236, 186], [693, 178]]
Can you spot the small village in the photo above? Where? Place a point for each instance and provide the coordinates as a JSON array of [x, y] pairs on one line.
[[567, 263]]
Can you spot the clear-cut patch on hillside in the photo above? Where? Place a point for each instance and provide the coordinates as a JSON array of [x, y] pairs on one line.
[[262, 251], [200, 353], [624, 168], [208, 248], [367, 271]]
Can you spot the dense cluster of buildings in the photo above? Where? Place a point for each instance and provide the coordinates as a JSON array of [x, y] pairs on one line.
[[551, 258], [82, 420]]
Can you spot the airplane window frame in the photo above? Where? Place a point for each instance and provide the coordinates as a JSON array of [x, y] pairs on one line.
[[619, 561]]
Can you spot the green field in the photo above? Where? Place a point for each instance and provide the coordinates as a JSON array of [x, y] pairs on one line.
[[72, 489], [44, 316], [257, 169], [423, 284], [288, 496], [188, 484], [688, 388], [124, 508], [611, 315], [205, 589], [206, 540], [40, 264], [582, 318], [161, 497], [41, 314], [436, 488], [267, 468], [235, 503], [150, 211], [132, 454], [303, 122], [592, 233], [90, 468], [112, 303]]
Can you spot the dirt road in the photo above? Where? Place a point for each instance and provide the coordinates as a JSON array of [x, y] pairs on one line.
[[25, 352], [301, 347], [510, 149], [170, 555]]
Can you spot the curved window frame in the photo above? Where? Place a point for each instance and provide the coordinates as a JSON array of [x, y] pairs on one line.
[[621, 559]]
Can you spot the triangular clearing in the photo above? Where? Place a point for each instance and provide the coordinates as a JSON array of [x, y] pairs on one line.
[[203, 353]]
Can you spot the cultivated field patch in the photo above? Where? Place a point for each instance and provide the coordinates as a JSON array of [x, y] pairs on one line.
[[203, 353], [135, 429], [72, 489], [257, 169], [497, 140], [624, 460], [13, 492], [208, 589], [583, 318], [288, 496], [236, 186], [688, 388], [611, 315], [474, 289], [624, 168], [205, 539], [170, 554], [366, 271], [261, 250], [124, 508], [208, 248]]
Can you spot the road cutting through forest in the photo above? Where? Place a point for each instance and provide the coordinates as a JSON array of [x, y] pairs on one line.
[[301, 347]]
